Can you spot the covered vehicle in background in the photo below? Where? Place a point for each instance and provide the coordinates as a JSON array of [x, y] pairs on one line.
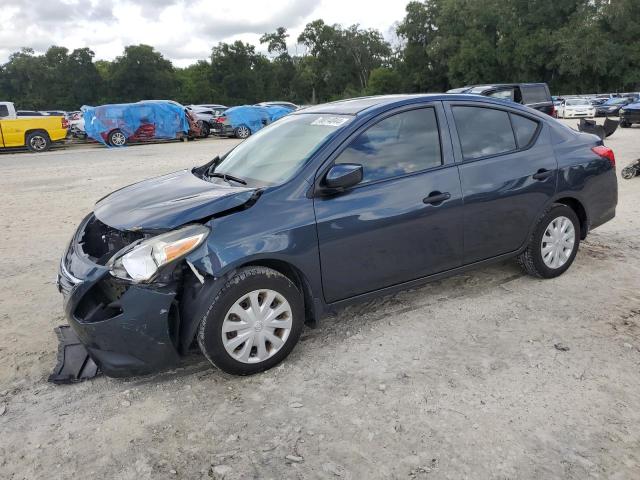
[[534, 95], [119, 124], [629, 114], [575, 108], [242, 122]]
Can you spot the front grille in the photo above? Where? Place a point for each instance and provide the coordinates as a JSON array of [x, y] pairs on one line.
[[99, 241]]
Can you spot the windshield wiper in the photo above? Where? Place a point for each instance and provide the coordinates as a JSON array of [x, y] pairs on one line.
[[226, 177]]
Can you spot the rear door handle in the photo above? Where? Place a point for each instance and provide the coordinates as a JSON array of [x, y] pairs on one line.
[[436, 198], [542, 174]]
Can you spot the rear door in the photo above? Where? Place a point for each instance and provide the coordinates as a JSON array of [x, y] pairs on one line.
[[508, 173], [389, 228]]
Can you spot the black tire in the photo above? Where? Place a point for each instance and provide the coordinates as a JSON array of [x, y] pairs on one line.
[[628, 173], [240, 284], [205, 130], [624, 125], [531, 259], [38, 141], [242, 132], [117, 138]]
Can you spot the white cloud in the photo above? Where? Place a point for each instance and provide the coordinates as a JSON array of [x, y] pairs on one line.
[[183, 30]]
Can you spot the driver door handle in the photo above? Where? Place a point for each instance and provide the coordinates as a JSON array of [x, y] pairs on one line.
[[542, 174], [436, 198]]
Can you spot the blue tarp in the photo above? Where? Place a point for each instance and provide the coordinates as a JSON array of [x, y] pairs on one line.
[[253, 116], [138, 121]]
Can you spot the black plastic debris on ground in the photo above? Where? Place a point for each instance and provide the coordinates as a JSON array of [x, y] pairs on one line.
[[603, 131], [74, 363]]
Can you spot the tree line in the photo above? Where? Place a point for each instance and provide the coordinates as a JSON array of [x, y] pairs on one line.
[[576, 46]]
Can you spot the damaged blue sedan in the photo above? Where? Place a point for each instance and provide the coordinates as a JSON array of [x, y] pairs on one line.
[[331, 204]]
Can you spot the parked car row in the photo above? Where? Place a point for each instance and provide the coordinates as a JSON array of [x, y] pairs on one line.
[[590, 106]]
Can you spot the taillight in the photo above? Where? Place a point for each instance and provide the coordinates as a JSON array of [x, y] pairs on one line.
[[554, 112], [605, 152], [220, 119], [65, 124]]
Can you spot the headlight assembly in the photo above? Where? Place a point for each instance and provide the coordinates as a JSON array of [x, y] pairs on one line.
[[143, 261]]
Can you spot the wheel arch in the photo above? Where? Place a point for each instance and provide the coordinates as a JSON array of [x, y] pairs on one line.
[[579, 209], [36, 130], [299, 280], [195, 296]]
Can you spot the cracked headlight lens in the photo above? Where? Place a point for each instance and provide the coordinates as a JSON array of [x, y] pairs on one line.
[[143, 261]]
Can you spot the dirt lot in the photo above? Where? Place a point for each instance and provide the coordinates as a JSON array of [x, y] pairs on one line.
[[459, 379]]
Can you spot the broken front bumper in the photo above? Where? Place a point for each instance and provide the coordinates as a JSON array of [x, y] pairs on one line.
[[127, 329]]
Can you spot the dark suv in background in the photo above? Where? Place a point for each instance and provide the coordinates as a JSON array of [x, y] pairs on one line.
[[534, 95]]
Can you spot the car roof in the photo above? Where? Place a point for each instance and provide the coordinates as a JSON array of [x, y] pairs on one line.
[[365, 105]]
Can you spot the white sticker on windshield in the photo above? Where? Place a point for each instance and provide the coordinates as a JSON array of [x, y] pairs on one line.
[[329, 121]]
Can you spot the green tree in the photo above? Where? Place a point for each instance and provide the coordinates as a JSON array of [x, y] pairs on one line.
[[142, 73]]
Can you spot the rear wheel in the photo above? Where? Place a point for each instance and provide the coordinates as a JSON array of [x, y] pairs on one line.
[[554, 243], [205, 131], [242, 132], [624, 124], [253, 323], [38, 141], [117, 138]]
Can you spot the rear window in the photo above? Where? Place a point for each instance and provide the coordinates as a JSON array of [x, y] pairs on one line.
[[535, 94], [483, 131], [524, 128]]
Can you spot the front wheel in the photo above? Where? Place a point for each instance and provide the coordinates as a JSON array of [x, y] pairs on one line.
[[117, 138], [554, 243], [38, 142], [624, 124], [253, 323]]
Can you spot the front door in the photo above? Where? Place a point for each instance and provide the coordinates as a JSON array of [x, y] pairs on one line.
[[404, 220], [508, 173]]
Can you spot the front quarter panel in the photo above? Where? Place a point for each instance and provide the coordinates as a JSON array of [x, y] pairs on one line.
[[279, 226]]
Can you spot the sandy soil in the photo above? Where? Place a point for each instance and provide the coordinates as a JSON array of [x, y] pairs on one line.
[[458, 379]]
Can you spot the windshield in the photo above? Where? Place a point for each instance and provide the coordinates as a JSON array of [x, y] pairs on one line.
[[578, 101], [275, 153], [615, 101]]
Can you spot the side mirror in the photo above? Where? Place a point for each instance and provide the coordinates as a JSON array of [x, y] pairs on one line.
[[343, 175]]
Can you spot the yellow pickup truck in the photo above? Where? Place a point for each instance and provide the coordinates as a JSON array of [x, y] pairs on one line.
[[37, 133]]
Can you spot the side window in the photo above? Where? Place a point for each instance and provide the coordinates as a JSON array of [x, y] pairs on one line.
[[402, 143], [535, 94], [4, 111], [502, 94], [524, 128], [483, 131]]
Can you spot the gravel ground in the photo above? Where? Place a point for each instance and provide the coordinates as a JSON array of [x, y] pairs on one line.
[[490, 374]]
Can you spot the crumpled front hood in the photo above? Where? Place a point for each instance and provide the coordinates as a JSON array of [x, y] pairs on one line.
[[168, 202]]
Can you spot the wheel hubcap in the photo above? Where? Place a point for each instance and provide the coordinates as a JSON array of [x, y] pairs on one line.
[[558, 242], [38, 143], [244, 132], [118, 139], [257, 326]]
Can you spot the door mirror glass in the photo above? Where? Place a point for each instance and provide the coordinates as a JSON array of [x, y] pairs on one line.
[[343, 175]]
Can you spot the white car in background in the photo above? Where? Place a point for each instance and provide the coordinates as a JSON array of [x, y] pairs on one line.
[[575, 108]]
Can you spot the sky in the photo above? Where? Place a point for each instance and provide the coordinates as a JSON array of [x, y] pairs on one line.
[[182, 30]]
